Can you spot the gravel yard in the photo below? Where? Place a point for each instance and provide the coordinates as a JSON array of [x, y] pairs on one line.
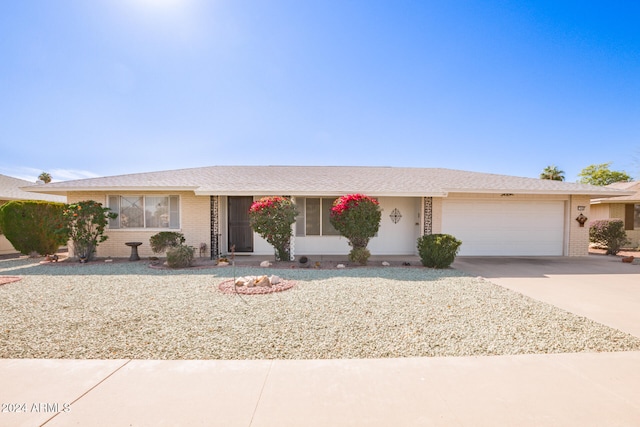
[[130, 311]]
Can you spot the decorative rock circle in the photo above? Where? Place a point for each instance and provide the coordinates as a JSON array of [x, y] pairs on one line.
[[228, 287]]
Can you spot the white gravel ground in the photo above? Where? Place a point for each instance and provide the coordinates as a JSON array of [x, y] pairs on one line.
[[128, 310]]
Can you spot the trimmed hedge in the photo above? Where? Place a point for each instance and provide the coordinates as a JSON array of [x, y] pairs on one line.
[[33, 226], [438, 250]]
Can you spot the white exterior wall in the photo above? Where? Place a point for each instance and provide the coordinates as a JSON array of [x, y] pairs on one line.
[[578, 241], [400, 238], [392, 239]]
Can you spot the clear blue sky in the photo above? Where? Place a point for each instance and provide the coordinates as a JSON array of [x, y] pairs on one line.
[[105, 87]]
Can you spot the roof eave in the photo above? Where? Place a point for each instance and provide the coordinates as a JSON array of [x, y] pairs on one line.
[[536, 192], [66, 190], [300, 193]]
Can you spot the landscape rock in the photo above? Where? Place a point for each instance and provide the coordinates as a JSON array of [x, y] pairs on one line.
[[275, 279]]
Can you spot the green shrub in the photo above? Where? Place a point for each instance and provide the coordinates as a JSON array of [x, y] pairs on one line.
[[165, 239], [608, 233], [180, 256], [84, 223], [359, 255], [33, 226], [438, 250]]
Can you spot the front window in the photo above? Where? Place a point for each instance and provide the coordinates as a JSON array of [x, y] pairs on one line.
[[145, 212], [313, 217], [636, 217]]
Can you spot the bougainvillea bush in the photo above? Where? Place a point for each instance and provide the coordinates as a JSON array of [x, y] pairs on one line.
[[84, 224], [272, 218], [356, 217], [608, 233]]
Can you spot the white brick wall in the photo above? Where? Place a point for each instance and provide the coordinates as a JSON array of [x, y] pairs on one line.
[[194, 222], [578, 236]]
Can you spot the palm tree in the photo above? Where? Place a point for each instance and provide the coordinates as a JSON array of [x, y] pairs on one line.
[[552, 173], [45, 177]]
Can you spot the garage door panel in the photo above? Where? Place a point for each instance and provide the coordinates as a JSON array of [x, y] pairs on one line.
[[506, 227]]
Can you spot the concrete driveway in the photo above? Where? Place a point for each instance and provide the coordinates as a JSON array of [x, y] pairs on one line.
[[599, 287]]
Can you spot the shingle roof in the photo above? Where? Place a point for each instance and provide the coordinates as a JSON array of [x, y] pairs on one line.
[[10, 189], [633, 187], [324, 180]]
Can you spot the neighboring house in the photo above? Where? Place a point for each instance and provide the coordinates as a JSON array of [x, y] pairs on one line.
[[491, 214], [10, 189], [626, 208]]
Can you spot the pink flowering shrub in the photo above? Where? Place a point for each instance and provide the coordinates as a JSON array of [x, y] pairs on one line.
[[271, 218], [356, 217]]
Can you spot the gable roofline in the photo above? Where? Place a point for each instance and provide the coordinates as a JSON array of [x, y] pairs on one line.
[[631, 188], [13, 189]]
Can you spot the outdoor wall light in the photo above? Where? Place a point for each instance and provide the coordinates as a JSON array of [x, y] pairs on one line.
[[581, 208], [581, 220]]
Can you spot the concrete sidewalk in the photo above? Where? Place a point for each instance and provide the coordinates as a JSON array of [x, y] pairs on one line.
[[586, 389], [530, 390]]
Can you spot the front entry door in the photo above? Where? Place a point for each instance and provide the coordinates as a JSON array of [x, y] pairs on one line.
[[240, 233]]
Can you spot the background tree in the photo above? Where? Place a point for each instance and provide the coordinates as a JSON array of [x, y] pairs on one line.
[[356, 217], [552, 173], [33, 226], [601, 175], [271, 218], [45, 177]]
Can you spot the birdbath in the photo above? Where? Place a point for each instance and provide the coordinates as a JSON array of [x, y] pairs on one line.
[[134, 250]]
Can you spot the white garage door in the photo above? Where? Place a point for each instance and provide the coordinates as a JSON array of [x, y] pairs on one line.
[[505, 227]]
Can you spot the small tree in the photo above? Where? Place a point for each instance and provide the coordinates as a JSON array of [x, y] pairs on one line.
[[602, 175], [85, 222], [33, 226], [552, 173], [356, 217], [272, 218], [608, 233]]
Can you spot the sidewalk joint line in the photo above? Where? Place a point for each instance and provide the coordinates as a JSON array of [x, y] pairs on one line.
[[264, 383], [88, 391]]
